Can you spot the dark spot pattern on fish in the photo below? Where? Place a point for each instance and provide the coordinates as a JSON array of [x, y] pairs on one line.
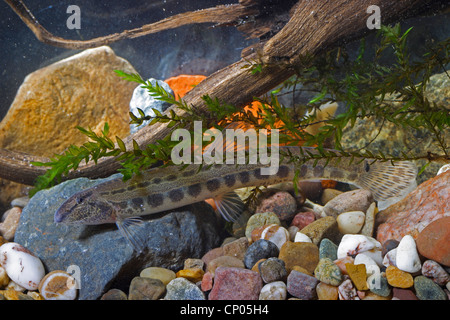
[[244, 176], [194, 190], [230, 180], [258, 175], [318, 171], [336, 174], [176, 195], [303, 170], [138, 202], [155, 200], [157, 181], [188, 173], [283, 171], [113, 192], [171, 177], [213, 185]]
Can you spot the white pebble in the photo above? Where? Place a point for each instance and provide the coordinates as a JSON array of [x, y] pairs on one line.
[[362, 258], [301, 237], [273, 291], [351, 222], [407, 256], [390, 258], [352, 244], [21, 265]]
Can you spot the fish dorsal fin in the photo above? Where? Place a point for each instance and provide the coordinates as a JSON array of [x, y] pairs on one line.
[[229, 205], [130, 230]]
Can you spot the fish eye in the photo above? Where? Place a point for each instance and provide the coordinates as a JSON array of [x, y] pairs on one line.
[[80, 200], [366, 166]]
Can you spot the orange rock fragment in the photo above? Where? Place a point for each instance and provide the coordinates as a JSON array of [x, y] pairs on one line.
[[183, 83], [398, 278]]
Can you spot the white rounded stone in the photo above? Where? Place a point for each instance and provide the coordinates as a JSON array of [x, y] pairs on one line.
[[58, 285], [275, 234], [301, 237], [362, 258], [351, 222], [273, 291], [352, 244], [390, 258], [407, 256], [21, 265]]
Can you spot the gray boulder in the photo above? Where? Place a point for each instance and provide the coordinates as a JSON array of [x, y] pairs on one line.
[[98, 255]]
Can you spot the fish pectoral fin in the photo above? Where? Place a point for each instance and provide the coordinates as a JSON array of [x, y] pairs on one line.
[[229, 205], [130, 230]]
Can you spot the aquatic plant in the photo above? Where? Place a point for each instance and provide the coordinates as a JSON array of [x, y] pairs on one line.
[[361, 84]]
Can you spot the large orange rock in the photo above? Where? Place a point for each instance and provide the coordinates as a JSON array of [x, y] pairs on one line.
[[81, 90], [429, 202], [434, 241]]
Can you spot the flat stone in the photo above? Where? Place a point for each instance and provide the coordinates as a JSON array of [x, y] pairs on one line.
[[182, 289], [236, 284], [326, 227], [162, 274], [426, 289], [301, 254], [224, 261], [433, 241], [236, 248], [398, 278], [326, 291], [301, 285], [281, 203], [434, 270], [403, 294], [193, 275], [357, 273], [146, 289], [355, 200], [429, 202], [114, 294], [172, 238]]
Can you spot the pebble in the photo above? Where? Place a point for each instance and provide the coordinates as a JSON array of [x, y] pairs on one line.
[[407, 258], [182, 289], [326, 291], [212, 254], [236, 284], [369, 221], [207, 281], [114, 294], [327, 249], [367, 261], [22, 267], [328, 272], [146, 289], [433, 241], [426, 289], [301, 285], [325, 227], [272, 270], [9, 225], [403, 294], [236, 248], [258, 220], [4, 279], [355, 200], [398, 278], [378, 284], [328, 194], [347, 291], [390, 259], [341, 262], [224, 261], [58, 285], [358, 275], [261, 249], [352, 244], [193, 275], [301, 237], [351, 222], [434, 270], [302, 219], [273, 291], [275, 234], [163, 274], [301, 254], [191, 263], [282, 203], [389, 245]]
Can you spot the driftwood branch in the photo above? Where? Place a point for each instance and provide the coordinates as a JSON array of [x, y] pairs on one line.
[[314, 27]]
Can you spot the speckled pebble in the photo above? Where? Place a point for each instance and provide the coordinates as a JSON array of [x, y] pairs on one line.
[[301, 285], [261, 249], [325, 227], [191, 263], [282, 203], [434, 270], [302, 219], [146, 289], [236, 284], [326, 291], [328, 272], [327, 249], [398, 278], [236, 248], [114, 294], [358, 275], [301, 254], [426, 289], [347, 291], [258, 220], [273, 291], [378, 284], [224, 261], [272, 269], [182, 289], [355, 200]]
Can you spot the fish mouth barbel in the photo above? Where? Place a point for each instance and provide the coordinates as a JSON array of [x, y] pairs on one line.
[[164, 188]]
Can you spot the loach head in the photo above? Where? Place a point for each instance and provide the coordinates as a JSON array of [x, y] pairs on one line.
[[85, 207]]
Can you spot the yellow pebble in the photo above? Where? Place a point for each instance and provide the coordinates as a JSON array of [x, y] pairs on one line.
[[398, 278], [357, 273], [326, 291], [193, 275]]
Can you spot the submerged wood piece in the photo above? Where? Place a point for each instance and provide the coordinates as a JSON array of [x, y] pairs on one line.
[[315, 26]]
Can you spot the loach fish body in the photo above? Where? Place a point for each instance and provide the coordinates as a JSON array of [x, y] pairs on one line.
[[161, 189]]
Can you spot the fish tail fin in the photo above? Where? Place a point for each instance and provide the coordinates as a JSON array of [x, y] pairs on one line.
[[129, 228], [388, 180]]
